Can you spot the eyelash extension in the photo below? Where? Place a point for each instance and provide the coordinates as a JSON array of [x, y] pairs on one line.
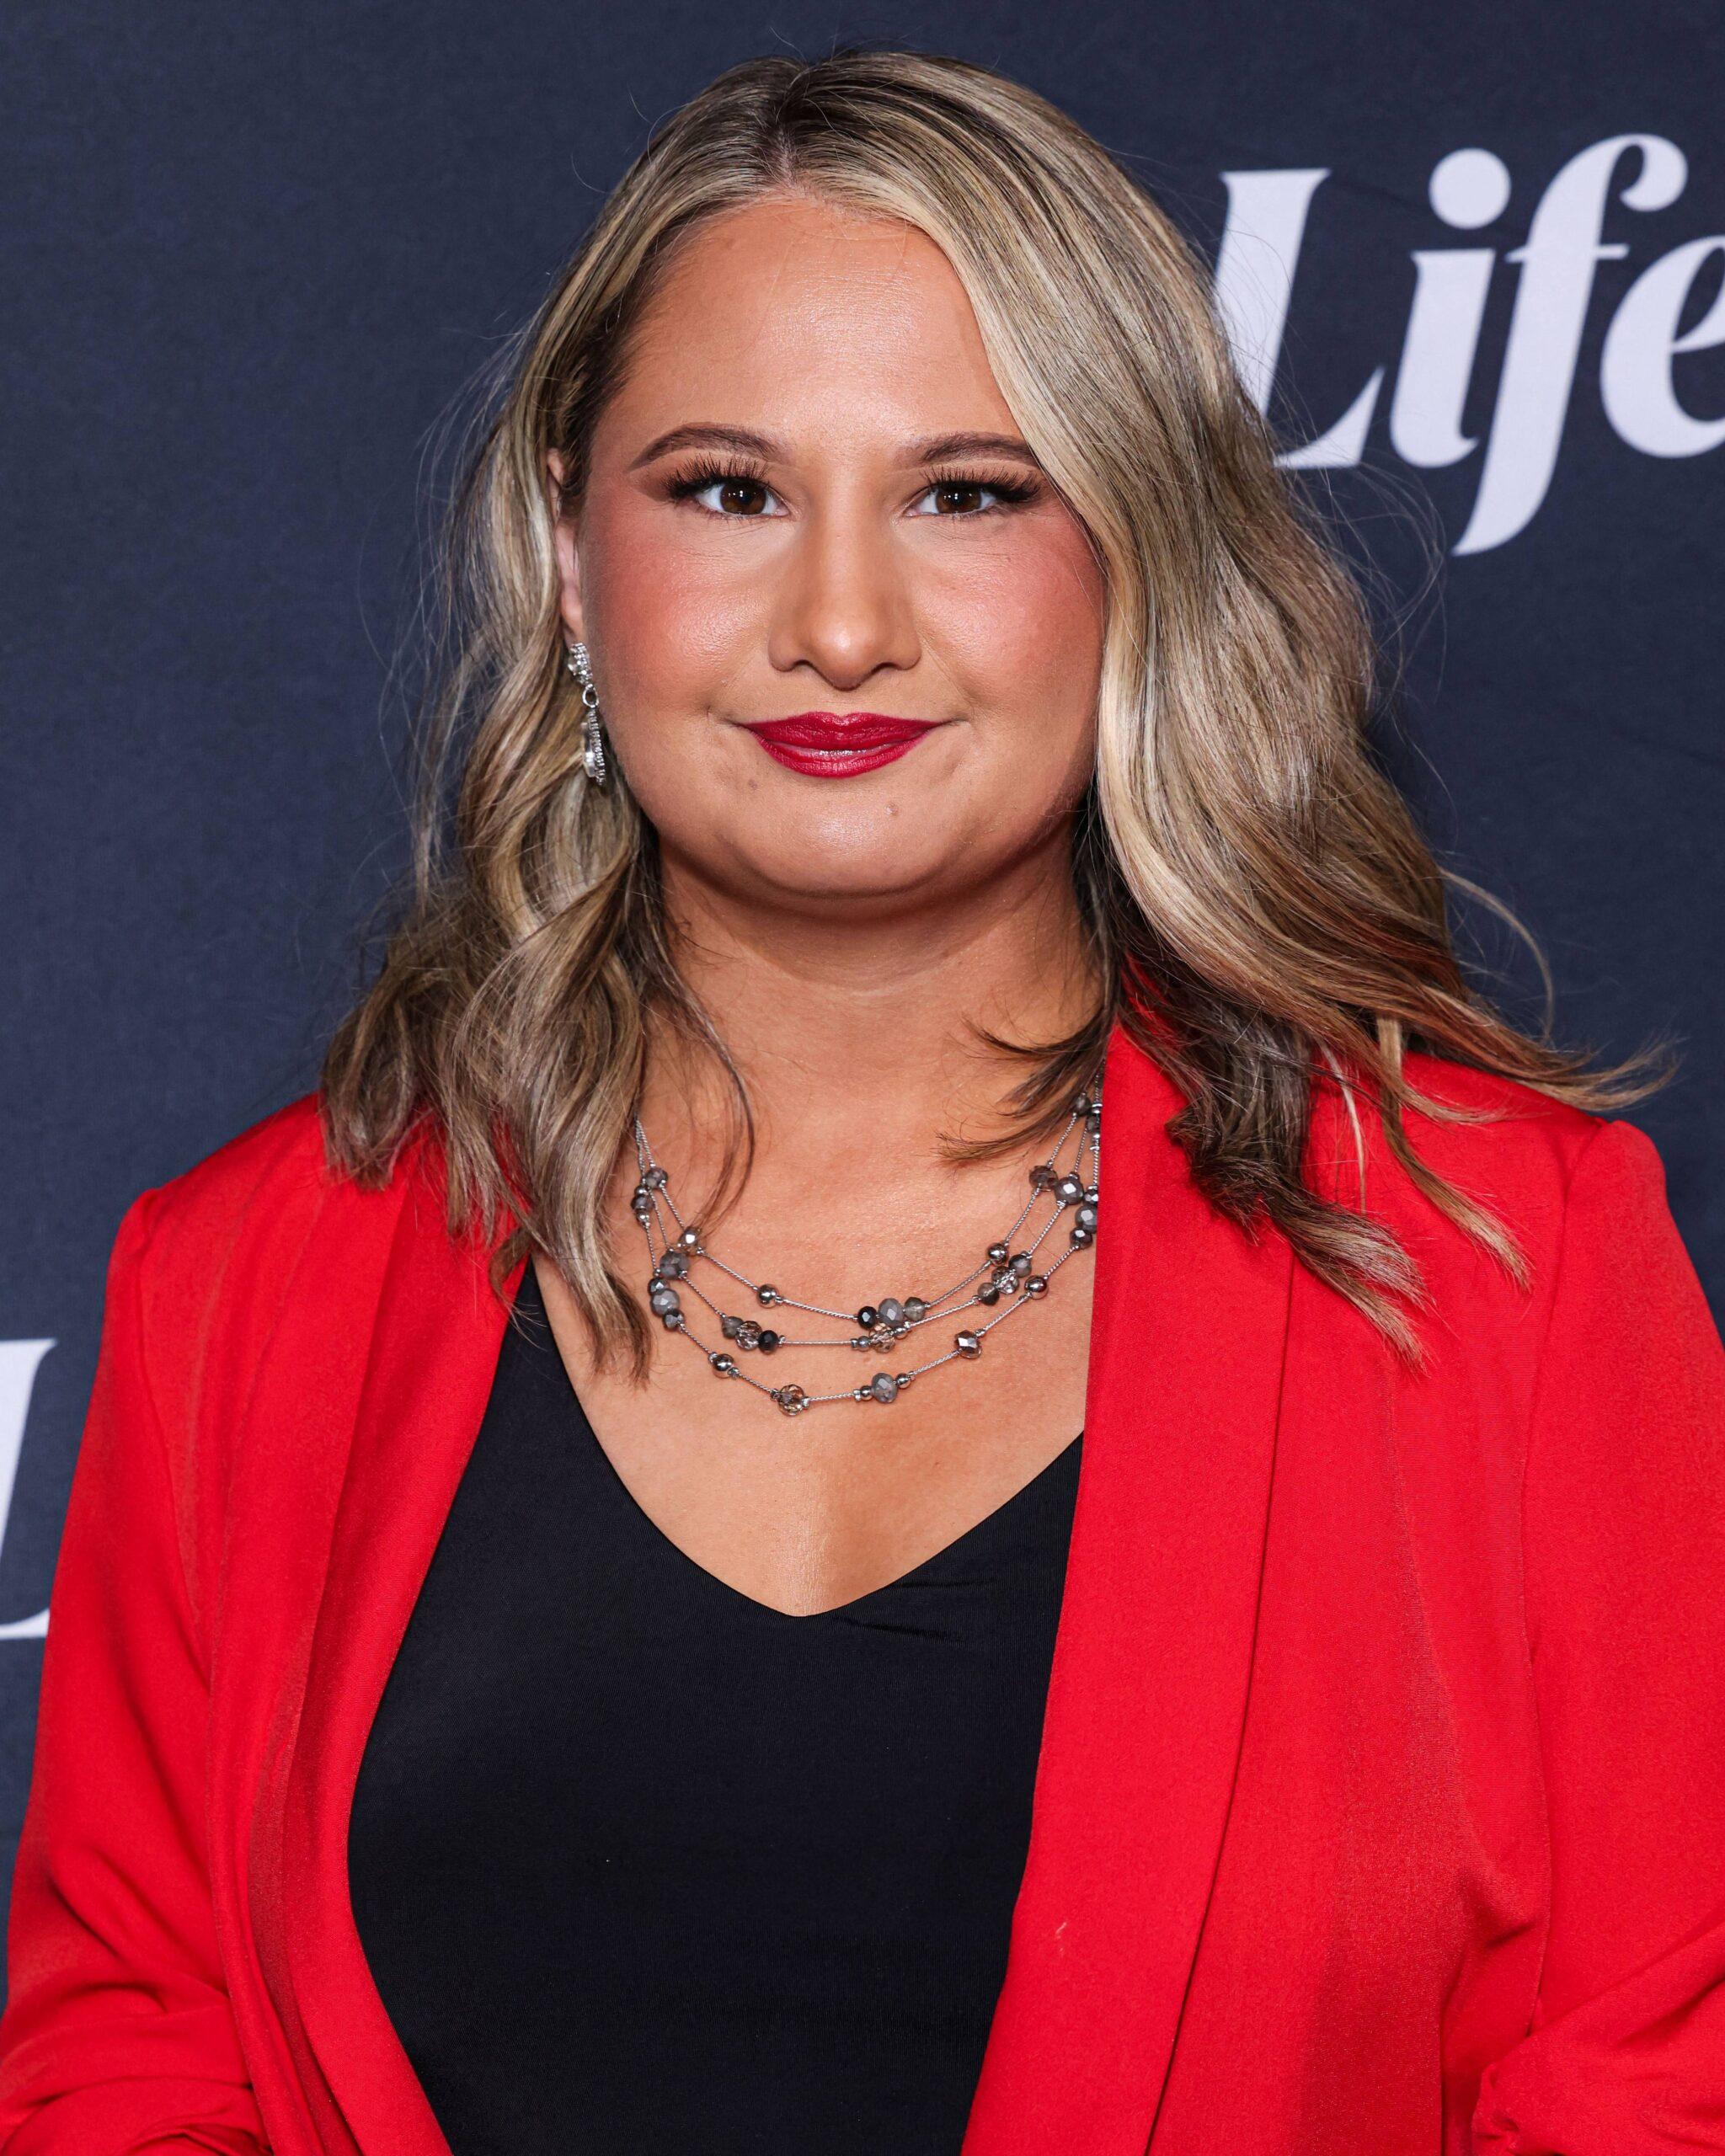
[[706, 471], [1010, 489], [697, 478]]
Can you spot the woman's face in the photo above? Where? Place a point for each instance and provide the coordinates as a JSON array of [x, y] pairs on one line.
[[781, 520]]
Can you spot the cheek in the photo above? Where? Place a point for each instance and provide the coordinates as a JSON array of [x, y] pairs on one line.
[[671, 616], [1022, 625]]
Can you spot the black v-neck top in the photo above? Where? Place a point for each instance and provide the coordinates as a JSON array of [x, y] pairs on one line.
[[644, 1867]]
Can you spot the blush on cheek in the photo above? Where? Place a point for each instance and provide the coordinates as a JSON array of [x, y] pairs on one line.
[[668, 631], [1025, 629]]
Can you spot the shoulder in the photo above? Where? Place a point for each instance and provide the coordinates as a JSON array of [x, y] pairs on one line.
[[1574, 1189], [1501, 1141], [272, 1175], [212, 1253], [280, 1152]]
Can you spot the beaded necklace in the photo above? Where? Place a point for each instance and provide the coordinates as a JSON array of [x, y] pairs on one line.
[[1007, 1276]]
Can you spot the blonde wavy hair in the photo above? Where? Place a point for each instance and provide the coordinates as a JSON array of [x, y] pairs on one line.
[[1259, 902]]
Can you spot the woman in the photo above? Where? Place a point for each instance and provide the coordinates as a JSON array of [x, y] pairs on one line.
[[572, 1631]]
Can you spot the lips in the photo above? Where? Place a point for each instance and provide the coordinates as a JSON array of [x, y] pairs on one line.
[[838, 744]]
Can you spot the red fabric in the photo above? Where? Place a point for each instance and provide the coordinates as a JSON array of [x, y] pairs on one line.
[[1381, 1801]]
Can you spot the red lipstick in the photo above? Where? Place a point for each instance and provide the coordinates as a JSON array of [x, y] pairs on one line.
[[838, 744]]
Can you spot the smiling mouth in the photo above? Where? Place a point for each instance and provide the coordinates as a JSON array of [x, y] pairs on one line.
[[839, 744]]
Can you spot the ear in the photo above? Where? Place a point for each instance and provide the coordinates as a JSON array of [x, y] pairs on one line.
[[569, 559]]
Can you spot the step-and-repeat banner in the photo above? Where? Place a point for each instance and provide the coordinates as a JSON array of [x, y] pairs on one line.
[[1473, 264]]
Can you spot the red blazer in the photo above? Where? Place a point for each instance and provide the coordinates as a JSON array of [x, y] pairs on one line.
[[1381, 1799]]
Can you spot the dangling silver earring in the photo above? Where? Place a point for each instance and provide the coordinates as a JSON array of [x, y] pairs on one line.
[[576, 661]]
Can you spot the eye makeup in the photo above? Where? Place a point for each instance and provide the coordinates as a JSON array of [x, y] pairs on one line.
[[1011, 489]]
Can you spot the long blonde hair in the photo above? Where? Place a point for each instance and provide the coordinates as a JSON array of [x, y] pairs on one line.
[[1245, 875]]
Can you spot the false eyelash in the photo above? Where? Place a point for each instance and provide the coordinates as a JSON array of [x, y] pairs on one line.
[[707, 472], [1009, 489]]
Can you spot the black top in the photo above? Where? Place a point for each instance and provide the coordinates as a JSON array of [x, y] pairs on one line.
[[644, 1866]]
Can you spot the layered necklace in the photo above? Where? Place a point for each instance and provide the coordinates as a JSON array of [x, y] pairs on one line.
[[1006, 1279]]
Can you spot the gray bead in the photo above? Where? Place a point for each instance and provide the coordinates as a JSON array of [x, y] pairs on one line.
[[690, 1238], [1041, 1176], [724, 1364], [968, 1343], [674, 1320], [1081, 1237], [1091, 1194], [1037, 1285], [1085, 1217], [989, 1294], [728, 1324], [869, 1318], [767, 1292], [662, 1300], [998, 1253], [792, 1398], [1082, 1105], [884, 1388], [768, 1343], [748, 1333], [1021, 1263], [673, 1265], [916, 1309], [891, 1311], [1069, 1190], [655, 1179]]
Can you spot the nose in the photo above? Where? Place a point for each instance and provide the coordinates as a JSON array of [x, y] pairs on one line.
[[842, 605]]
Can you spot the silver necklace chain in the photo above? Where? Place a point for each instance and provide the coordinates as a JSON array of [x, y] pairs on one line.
[[1008, 1275]]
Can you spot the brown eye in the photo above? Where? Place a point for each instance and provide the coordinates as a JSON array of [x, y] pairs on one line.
[[740, 497], [969, 496], [737, 495]]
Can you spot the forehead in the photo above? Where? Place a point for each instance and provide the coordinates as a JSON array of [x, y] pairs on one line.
[[792, 312]]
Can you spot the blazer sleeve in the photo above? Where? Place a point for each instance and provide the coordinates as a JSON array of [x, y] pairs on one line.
[[118, 2035], [1624, 1526]]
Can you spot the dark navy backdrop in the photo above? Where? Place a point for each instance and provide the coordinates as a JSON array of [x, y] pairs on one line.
[[249, 254]]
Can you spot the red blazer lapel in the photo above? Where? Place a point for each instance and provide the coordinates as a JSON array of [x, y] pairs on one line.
[[277, 1384], [1153, 1654], [427, 1378]]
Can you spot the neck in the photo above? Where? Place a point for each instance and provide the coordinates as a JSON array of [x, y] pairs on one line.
[[855, 1032]]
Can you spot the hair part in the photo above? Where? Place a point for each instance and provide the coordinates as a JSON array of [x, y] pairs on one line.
[[1260, 905]]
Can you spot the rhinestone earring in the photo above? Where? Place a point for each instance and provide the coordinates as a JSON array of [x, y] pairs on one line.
[[578, 664]]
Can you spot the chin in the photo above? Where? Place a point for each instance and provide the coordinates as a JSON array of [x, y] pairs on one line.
[[868, 887], [820, 867]]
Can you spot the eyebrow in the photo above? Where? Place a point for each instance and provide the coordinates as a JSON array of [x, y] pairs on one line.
[[931, 449]]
